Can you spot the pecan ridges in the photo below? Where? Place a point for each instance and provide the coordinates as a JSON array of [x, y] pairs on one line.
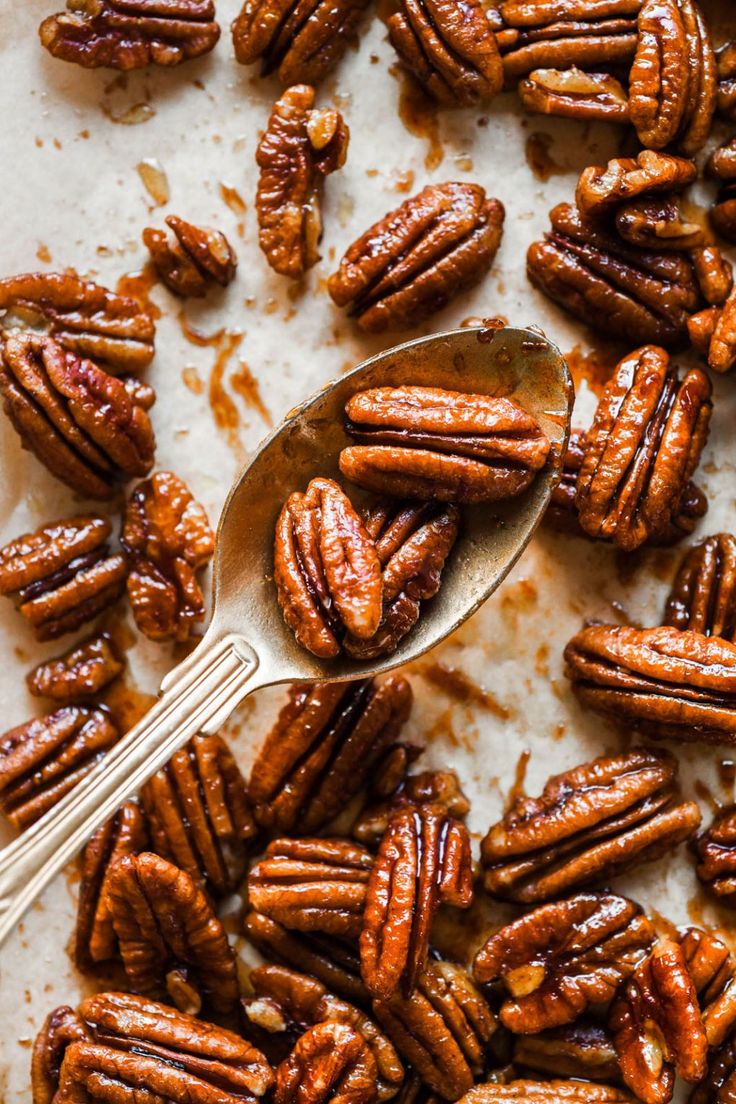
[[703, 595], [193, 259], [330, 1062], [81, 672], [716, 854]]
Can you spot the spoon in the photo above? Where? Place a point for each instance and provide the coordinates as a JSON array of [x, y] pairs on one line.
[[247, 644]]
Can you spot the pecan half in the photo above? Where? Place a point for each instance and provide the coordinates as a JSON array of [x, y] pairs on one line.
[[713, 972], [326, 570], [719, 1083], [583, 1049], [60, 1029], [423, 861], [81, 423], [573, 94], [323, 748], [312, 885], [721, 166], [658, 223], [589, 823], [716, 853], [42, 760], [330, 1062], [168, 539], [129, 34], [561, 958], [192, 259], [82, 671], [726, 70], [670, 683], [85, 318], [601, 189], [546, 1092], [424, 442], [199, 815], [300, 147], [714, 274], [703, 595], [427, 787], [412, 262], [713, 333]]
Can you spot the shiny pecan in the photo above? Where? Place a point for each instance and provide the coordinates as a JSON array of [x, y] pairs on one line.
[[326, 570], [60, 1029], [441, 1029], [129, 34], [721, 166], [561, 958], [703, 595], [644, 445], [658, 223], [312, 885], [80, 422], [602, 189], [300, 147], [583, 1049], [330, 1062], [716, 853], [726, 70], [574, 94], [589, 823], [669, 682], [85, 318], [714, 274], [656, 1025], [546, 1092], [168, 538], [199, 815], [425, 442], [423, 861], [323, 749], [427, 787], [721, 352], [719, 1084], [192, 259], [63, 574], [82, 671], [42, 760], [410, 264], [713, 972]]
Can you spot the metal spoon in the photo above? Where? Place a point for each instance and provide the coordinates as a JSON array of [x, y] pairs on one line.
[[247, 645]]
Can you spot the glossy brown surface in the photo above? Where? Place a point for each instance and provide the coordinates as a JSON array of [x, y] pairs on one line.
[[192, 258]]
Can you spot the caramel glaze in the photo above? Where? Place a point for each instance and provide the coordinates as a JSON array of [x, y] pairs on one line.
[[137, 285], [538, 156], [457, 685]]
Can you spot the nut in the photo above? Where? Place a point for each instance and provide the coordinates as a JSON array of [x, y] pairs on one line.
[[602, 189], [718, 1085], [42, 760], [330, 1062], [716, 852], [168, 538], [300, 147], [721, 166], [726, 70], [657, 223], [61, 1028], [713, 972], [427, 787], [81, 672], [546, 1092], [412, 262], [722, 345], [573, 94], [582, 1049], [714, 274], [193, 259], [588, 824], [561, 958], [703, 595]]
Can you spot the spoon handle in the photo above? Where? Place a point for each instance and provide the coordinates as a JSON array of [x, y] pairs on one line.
[[197, 696]]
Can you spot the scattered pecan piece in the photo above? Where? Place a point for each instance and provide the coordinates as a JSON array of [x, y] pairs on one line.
[[330, 1062], [546, 1092], [427, 787], [42, 760], [726, 70], [423, 861], [323, 748], [312, 885], [561, 958], [410, 264], [129, 34], [589, 823], [168, 538], [601, 189], [193, 259], [573, 94], [583, 1049], [716, 853], [81, 672], [713, 972], [61, 1028], [703, 595], [326, 570], [300, 147], [670, 683]]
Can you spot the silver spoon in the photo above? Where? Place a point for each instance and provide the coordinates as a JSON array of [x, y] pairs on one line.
[[247, 645]]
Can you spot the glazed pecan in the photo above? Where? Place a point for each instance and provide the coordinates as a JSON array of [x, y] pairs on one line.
[[589, 823], [300, 147], [85, 318], [670, 683], [583, 1049], [657, 223], [330, 1062], [703, 595], [168, 538], [199, 815], [573, 94], [192, 259], [81, 423], [721, 166], [427, 787], [726, 70], [312, 885], [546, 1092], [713, 972], [423, 861], [323, 748], [42, 760], [716, 853], [602, 189], [129, 34], [561, 958], [60, 1029], [722, 338], [62, 575], [326, 569], [81, 672], [714, 274], [643, 447], [656, 1025], [424, 442], [410, 264], [719, 1084]]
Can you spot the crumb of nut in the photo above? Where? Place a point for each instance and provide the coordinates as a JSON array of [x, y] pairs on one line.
[[196, 258]]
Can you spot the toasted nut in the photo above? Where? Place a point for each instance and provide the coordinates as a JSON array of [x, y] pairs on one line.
[[624, 179], [722, 348], [703, 595], [573, 94], [714, 274], [713, 971], [196, 257], [426, 788], [81, 672], [716, 852], [582, 1049], [330, 1062], [726, 70], [61, 1028], [547, 1092], [657, 223]]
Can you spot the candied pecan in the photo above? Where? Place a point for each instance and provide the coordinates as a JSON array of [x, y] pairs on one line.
[[546, 1092], [330, 1062], [726, 69], [601, 189], [410, 264], [643, 447], [199, 815], [168, 538], [441, 1029], [80, 422], [424, 442], [193, 259], [43, 759], [589, 823], [300, 147], [657, 223], [719, 1084], [323, 748], [573, 94], [84, 670], [61, 1028], [129, 34], [561, 958], [427, 787], [722, 348], [582, 1049], [713, 972], [716, 853], [423, 861], [669, 682], [656, 1025], [714, 274], [326, 570], [85, 318], [721, 166], [312, 885], [703, 595]]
